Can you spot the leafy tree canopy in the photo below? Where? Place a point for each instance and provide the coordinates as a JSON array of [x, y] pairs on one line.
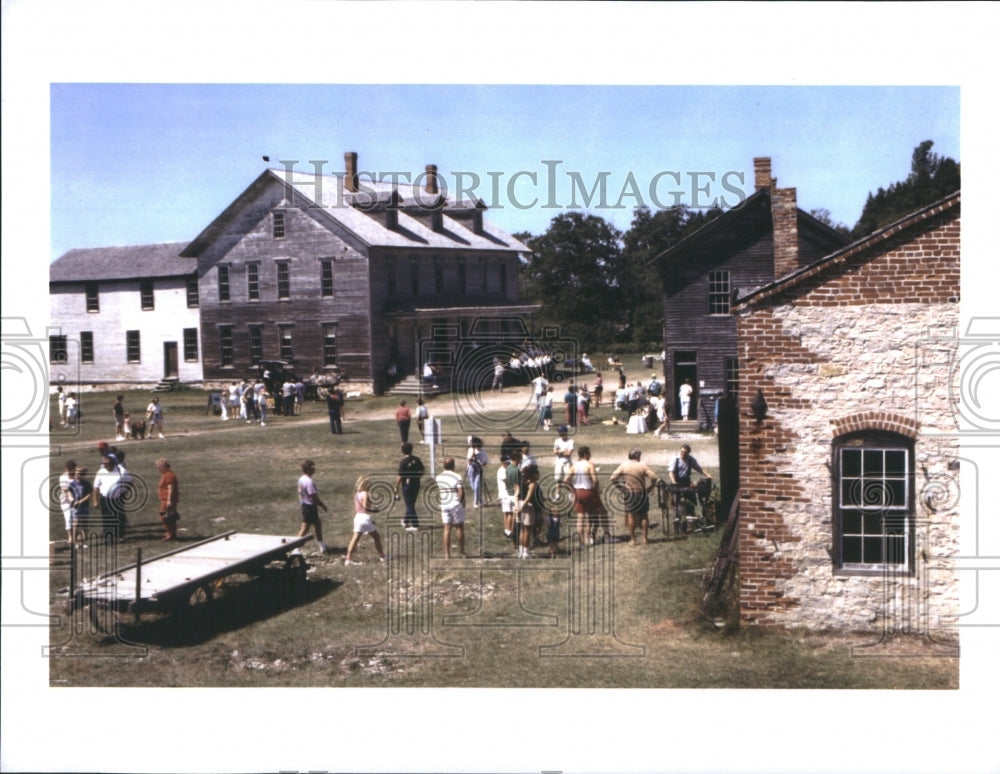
[[931, 177]]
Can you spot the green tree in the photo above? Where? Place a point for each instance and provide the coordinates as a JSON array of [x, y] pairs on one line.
[[573, 273], [931, 177]]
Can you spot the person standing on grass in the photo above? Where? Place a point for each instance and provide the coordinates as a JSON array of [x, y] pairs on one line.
[[403, 417], [262, 397], [309, 504], [154, 416], [118, 414], [452, 493], [363, 524], [590, 511], [170, 494], [476, 460], [563, 450], [335, 408], [408, 475], [422, 416], [61, 396], [632, 476], [81, 489], [528, 509], [66, 498]]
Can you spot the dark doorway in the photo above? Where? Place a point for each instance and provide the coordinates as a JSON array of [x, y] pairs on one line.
[[685, 367], [170, 369]]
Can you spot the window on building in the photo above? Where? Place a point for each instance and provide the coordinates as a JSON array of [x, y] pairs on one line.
[[223, 283], [191, 344], [483, 276], [284, 290], [503, 278], [438, 274], [256, 344], [133, 353], [86, 346], [462, 283], [146, 295], [414, 276], [329, 344], [718, 292], [253, 281], [192, 292], [58, 350], [226, 345], [278, 225], [93, 299], [285, 342], [873, 510], [732, 377], [326, 278]]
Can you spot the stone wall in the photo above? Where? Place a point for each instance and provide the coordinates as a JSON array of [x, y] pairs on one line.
[[869, 344]]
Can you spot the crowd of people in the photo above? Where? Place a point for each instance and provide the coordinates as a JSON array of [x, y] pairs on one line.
[[531, 503]]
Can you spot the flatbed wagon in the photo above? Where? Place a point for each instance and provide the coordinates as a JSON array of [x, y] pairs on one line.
[[179, 579]]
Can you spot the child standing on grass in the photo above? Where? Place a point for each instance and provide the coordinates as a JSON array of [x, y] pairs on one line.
[[310, 503], [363, 524]]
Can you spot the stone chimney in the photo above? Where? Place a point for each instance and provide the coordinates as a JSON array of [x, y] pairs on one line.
[[762, 179], [351, 172], [784, 217], [431, 179]]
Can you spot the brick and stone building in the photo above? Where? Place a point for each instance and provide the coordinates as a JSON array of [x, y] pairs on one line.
[[766, 236], [849, 476]]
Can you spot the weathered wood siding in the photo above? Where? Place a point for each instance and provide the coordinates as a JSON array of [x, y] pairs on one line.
[[307, 242]]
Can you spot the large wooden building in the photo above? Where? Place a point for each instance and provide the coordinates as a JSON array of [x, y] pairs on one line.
[[341, 276], [766, 236]]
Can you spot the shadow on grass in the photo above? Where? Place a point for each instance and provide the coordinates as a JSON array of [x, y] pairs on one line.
[[234, 605]]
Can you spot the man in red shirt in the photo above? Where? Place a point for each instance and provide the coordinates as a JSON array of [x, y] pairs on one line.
[[403, 420], [170, 495]]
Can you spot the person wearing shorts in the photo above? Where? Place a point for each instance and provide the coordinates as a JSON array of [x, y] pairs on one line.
[[590, 511], [310, 503], [363, 524], [452, 493], [529, 501], [632, 476]]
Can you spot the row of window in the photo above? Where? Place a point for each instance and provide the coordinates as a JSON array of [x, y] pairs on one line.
[[286, 347], [283, 281], [417, 283], [59, 347], [147, 300]]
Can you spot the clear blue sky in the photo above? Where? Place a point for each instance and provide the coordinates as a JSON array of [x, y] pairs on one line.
[[172, 156]]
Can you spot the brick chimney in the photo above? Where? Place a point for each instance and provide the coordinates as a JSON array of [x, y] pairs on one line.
[[351, 172], [784, 217], [762, 179], [431, 179]]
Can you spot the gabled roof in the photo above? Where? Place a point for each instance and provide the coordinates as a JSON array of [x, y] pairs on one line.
[[363, 213], [843, 255], [754, 205], [91, 264]]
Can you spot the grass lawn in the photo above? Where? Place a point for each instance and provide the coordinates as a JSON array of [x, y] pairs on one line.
[[614, 615]]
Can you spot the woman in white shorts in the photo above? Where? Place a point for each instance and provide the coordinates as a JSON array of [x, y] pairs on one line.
[[452, 493], [363, 524]]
